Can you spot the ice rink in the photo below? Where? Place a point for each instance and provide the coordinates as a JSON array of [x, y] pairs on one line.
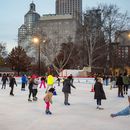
[[16, 113]]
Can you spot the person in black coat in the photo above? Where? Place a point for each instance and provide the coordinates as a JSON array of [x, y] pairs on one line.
[[119, 83], [11, 84], [67, 89], [99, 92], [4, 79]]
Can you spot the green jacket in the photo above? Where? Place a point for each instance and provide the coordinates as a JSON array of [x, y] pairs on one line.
[[126, 80]]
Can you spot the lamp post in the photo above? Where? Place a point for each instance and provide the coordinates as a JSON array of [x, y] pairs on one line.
[[37, 41]]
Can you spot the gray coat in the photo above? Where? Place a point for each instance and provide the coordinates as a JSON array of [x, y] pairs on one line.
[[67, 86]]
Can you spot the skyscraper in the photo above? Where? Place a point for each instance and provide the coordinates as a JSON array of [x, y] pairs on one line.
[[73, 7]]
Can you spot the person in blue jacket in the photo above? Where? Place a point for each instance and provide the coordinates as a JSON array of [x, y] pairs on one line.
[[24, 82], [123, 112]]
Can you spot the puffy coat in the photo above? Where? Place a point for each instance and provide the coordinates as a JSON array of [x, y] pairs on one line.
[[67, 86], [48, 97], [50, 80], [99, 92]]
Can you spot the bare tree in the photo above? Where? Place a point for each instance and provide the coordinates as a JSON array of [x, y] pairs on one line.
[[92, 38], [3, 53], [113, 21], [65, 58], [98, 32]]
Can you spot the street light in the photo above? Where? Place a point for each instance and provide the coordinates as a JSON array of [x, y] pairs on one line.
[[37, 41], [129, 35]]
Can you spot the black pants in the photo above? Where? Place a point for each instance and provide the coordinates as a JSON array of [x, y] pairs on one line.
[[3, 85], [23, 86], [125, 88], [34, 92], [120, 90], [12, 89], [98, 101], [30, 92]]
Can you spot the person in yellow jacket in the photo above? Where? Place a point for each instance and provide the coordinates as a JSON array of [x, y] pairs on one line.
[[48, 100], [50, 82]]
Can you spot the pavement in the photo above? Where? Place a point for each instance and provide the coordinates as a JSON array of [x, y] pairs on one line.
[[16, 113]]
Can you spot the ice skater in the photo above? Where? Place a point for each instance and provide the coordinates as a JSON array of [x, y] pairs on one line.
[[4, 80], [50, 82], [99, 93], [30, 87], [67, 84], [124, 112], [48, 100], [24, 82], [11, 84], [43, 80]]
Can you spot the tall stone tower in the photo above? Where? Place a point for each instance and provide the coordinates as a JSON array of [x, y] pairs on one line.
[[26, 29], [73, 7]]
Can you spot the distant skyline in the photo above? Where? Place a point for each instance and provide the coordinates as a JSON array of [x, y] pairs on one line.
[[12, 14]]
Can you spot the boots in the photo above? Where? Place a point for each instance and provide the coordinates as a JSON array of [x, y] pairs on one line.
[[48, 112]]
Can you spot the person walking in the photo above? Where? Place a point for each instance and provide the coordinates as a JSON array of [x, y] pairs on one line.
[[11, 84], [123, 112], [48, 100], [99, 93], [119, 83], [67, 84], [4, 80]]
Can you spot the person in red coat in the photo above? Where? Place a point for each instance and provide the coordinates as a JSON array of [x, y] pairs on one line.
[[99, 92]]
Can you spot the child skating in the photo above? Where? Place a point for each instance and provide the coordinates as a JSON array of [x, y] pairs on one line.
[[48, 100]]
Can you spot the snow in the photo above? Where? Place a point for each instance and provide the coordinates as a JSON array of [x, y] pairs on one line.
[[16, 113]]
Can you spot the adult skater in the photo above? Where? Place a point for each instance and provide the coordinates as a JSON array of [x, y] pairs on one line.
[[67, 84], [119, 83], [124, 112], [99, 92], [24, 82], [11, 84], [30, 87], [4, 80]]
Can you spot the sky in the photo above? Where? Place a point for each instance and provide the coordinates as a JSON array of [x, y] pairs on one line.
[[12, 15]]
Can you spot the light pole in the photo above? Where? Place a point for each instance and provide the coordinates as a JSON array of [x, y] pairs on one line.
[[37, 41]]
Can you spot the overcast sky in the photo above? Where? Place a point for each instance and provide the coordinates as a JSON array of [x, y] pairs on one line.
[[12, 14]]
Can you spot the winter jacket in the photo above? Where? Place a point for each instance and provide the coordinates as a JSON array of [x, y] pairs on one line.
[[119, 80], [67, 86], [12, 82], [50, 80], [4, 79], [48, 97], [99, 92], [24, 79], [126, 80], [35, 84]]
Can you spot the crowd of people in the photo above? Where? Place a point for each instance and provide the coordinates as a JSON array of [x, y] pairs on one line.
[[122, 82]]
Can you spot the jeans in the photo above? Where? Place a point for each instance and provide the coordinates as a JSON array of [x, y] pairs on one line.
[[66, 97], [124, 112]]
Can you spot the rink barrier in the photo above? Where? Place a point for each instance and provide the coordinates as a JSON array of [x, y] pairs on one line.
[[85, 80]]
